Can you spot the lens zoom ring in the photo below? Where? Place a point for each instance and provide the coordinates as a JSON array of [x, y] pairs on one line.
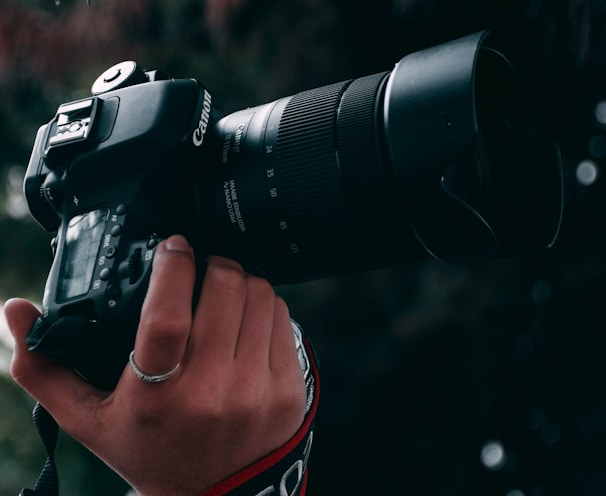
[[305, 152]]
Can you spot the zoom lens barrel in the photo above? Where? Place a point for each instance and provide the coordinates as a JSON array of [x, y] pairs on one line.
[[381, 169], [304, 190]]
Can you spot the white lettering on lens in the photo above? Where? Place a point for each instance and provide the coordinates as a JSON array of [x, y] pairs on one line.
[[226, 146], [200, 131], [238, 139], [231, 202]]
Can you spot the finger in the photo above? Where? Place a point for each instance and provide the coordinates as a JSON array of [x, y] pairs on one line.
[[166, 314], [283, 356], [257, 324], [219, 313], [60, 390], [20, 316]]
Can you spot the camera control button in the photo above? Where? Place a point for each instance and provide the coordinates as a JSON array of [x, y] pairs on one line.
[[116, 230], [53, 190], [110, 251], [152, 243], [135, 266], [121, 209], [105, 274]]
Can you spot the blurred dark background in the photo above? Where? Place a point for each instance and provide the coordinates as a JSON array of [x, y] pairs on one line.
[[479, 379]]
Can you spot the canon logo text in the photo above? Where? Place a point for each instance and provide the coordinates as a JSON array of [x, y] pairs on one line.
[[200, 131]]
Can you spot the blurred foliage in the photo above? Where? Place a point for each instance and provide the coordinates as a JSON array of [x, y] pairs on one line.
[[422, 364]]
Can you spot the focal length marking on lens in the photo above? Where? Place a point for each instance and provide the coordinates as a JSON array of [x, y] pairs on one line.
[[234, 139], [272, 185]]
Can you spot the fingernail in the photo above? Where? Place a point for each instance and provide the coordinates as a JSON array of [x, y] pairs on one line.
[[178, 243]]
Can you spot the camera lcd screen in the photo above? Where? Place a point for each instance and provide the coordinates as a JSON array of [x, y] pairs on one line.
[[82, 242]]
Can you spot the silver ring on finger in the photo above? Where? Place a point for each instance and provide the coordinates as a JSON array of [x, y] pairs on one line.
[[148, 377]]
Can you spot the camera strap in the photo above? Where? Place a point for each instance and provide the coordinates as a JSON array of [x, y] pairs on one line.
[[43, 337], [48, 480]]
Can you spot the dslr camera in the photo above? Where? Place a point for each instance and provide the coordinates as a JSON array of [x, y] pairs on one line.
[[414, 162]]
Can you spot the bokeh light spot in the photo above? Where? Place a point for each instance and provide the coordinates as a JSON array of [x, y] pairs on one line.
[[600, 112], [493, 455], [587, 172]]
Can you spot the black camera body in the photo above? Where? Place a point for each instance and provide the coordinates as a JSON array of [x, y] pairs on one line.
[[362, 174], [110, 175], [104, 175]]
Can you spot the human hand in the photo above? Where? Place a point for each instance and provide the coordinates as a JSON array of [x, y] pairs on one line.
[[238, 394]]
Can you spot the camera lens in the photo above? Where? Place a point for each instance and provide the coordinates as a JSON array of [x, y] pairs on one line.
[[380, 169], [303, 189]]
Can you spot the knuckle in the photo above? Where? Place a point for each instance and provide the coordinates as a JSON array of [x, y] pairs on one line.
[[27, 368], [289, 390], [162, 331], [260, 290], [19, 373], [251, 397], [281, 307], [174, 257], [261, 285], [292, 398], [223, 267], [226, 275]]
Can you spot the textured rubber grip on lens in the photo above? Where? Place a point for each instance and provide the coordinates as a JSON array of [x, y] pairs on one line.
[[331, 177], [358, 138], [305, 152]]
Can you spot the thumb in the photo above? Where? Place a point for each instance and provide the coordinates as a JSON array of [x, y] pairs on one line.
[[26, 367], [20, 315], [59, 389]]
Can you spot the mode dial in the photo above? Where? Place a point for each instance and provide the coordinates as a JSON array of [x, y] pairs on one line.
[[127, 73]]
